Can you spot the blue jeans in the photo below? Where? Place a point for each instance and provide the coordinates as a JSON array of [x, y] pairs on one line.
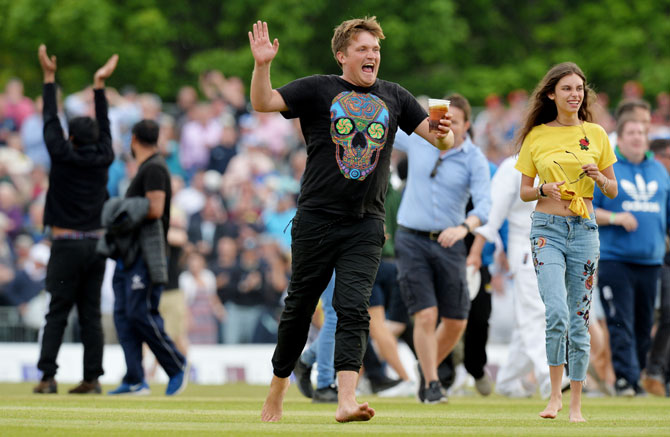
[[565, 254], [241, 323], [322, 350]]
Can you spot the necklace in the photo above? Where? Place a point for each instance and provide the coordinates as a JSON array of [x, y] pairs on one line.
[[584, 142]]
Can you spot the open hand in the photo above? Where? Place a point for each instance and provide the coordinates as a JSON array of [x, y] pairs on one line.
[[48, 63], [105, 71], [261, 48]]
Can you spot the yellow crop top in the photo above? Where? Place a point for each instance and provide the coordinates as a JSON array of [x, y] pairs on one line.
[[557, 154]]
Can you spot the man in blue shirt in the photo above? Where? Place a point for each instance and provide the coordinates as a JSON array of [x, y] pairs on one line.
[[429, 240]]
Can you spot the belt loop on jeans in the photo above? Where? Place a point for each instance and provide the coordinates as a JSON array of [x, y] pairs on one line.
[[431, 235]]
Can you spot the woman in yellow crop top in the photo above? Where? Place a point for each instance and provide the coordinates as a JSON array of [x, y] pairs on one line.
[[571, 156]]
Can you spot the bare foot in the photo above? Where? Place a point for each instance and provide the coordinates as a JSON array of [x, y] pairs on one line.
[[553, 407], [274, 403], [354, 412], [576, 417]]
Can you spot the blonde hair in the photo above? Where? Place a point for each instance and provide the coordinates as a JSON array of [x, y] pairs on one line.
[[541, 109], [350, 28]]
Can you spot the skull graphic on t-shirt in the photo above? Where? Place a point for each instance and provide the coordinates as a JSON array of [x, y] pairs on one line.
[[358, 127]]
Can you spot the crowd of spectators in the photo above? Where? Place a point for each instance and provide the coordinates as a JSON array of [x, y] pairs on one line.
[[235, 177]]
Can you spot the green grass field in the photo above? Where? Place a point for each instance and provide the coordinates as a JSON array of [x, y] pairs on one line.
[[235, 410]]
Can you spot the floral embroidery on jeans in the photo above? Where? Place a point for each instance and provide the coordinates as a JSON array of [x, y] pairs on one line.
[[589, 273], [539, 242]]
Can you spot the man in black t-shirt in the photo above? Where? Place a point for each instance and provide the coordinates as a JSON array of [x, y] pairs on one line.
[[136, 296], [349, 124], [77, 191]]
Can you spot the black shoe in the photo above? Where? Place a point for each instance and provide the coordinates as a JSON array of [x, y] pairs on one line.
[[385, 383], [326, 395], [87, 387], [303, 375], [433, 394], [421, 394], [623, 388], [639, 391], [46, 386]]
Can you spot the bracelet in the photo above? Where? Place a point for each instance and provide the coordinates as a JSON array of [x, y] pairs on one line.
[[612, 218], [604, 186], [467, 227], [541, 191]]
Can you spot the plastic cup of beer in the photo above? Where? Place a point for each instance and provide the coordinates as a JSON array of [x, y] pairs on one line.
[[437, 108]]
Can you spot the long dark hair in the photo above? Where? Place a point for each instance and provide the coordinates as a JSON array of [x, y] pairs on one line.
[[541, 109]]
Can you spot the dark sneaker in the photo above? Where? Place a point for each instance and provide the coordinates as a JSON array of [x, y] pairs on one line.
[[87, 387], [303, 375], [433, 394], [141, 388], [653, 384], [46, 386], [623, 388], [420, 395], [177, 384], [385, 383], [326, 395]]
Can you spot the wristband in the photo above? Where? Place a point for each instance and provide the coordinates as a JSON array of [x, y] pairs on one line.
[[466, 227], [612, 218], [542, 191]]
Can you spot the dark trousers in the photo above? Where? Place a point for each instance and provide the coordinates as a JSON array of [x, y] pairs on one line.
[[137, 321], [659, 355], [321, 243], [74, 277], [477, 330], [628, 293]]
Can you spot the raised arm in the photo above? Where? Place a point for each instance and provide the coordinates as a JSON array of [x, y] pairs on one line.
[[48, 64], [444, 139], [53, 131], [99, 78], [104, 72], [263, 97]]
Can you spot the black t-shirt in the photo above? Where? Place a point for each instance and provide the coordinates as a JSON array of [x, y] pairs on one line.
[[349, 131], [153, 175]]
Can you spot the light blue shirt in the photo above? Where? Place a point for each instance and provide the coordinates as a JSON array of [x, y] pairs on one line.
[[434, 204]]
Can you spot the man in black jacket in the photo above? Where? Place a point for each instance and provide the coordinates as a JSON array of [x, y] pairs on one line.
[[77, 191], [136, 291]]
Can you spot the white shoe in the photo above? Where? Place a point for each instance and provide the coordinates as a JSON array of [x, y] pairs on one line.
[[364, 388], [404, 389], [483, 384], [516, 391]]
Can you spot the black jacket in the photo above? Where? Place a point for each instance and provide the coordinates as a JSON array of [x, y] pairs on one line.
[[128, 234], [78, 176]]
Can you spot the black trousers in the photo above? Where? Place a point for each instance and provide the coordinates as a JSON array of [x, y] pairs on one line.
[[74, 277], [477, 330], [659, 354], [321, 243]]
